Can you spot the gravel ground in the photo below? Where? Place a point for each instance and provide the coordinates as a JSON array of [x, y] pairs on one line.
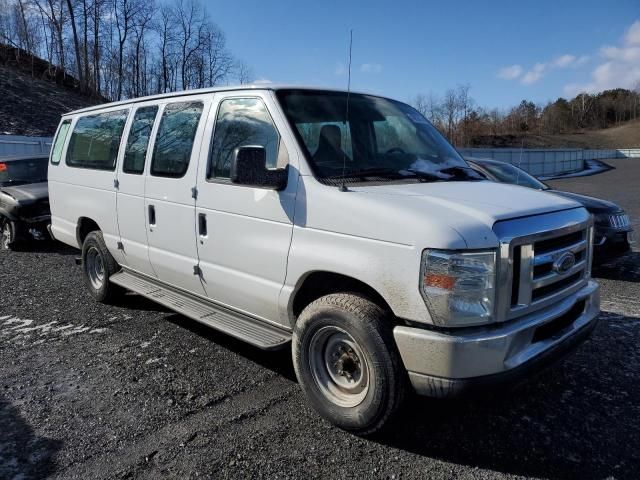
[[135, 391]]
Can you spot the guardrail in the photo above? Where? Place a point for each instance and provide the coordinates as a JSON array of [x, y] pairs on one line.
[[612, 153], [19, 145], [549, 161], [538, 162]]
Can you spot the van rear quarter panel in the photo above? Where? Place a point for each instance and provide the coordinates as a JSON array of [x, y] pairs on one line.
[[81, 192]]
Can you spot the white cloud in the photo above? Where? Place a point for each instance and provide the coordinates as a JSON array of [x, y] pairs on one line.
[[510, 73], [582, 60], [535, 74], [633, 34], [262, 81], [541, 69], [564, 61], [371, 68], [340, 69], [619, 66]]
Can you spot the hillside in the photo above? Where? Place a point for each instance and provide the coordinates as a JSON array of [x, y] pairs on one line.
[[623, 136], [32, 106]]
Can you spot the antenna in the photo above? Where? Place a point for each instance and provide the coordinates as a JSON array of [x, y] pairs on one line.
[[520, 162], [343, 187]]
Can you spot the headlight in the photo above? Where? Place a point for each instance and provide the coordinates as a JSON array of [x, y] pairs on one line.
[[459, 287], [619, 220]]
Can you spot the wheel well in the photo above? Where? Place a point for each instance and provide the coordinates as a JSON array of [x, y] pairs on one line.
[[319, 284], [84, 228]]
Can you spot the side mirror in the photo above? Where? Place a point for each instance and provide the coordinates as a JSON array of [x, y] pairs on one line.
[[249, 167]]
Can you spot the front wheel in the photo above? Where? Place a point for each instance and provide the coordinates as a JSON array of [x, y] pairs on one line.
[[98, 266], [9, 234], [347, 363]]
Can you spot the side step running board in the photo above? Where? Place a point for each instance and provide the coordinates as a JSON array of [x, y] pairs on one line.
[[255, 332]]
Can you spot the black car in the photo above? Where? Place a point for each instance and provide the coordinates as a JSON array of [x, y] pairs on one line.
[[24, 199], [612, 235]]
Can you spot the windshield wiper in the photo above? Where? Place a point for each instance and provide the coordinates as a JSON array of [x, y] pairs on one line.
[[424, 176], [460, 171], [368, 172]]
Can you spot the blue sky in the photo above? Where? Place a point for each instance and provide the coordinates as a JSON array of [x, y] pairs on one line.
[[506, 50]]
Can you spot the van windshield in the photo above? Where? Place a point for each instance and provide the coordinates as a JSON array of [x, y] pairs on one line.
[[377, 140]]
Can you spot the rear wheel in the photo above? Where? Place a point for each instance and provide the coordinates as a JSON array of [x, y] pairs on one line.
[[347, 363], [8, 234], [98, 266]]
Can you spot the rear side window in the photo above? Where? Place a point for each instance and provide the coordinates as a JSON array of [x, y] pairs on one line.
[[138, 140], [95, 140], [56, 151], [242, 122], [174, 141]]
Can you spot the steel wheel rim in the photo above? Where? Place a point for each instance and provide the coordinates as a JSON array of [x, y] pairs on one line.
[[95, 268], [339, 366], [6, 235]]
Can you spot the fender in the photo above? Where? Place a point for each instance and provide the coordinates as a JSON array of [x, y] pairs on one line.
[[6, 214]]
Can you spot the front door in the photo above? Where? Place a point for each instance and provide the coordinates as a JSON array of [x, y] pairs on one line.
[[169, 192], [244, 233]]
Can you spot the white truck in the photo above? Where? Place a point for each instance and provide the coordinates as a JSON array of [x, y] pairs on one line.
[[342, 223]]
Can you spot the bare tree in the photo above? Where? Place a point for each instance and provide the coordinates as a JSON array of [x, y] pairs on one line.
[[122, 48], [76, 43], [244, 73], [125, 12], [191, 20]]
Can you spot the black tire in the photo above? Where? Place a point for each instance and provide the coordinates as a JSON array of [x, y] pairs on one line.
[[368, 326], [95, 251], [8, 234]]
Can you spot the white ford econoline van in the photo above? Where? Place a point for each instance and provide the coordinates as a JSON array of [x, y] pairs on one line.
[[343, 223]]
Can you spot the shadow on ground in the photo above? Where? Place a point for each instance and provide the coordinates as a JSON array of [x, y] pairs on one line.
[[22, 453], [278, 361], [574, 420], [626, 269], [47, 246], [132, 301]]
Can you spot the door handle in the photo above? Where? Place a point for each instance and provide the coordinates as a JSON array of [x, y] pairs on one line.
[[152, 215], [202, 224]]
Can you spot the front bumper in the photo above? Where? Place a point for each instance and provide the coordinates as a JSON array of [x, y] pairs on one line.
[[446, 364]]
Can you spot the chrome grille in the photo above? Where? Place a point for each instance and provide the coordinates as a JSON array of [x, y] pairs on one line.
[[542, 260], [619, 220]]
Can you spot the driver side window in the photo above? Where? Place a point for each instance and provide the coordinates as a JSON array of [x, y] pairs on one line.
[[243, 122]]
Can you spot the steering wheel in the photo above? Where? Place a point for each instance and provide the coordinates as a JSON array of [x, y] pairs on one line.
[[395, 151]]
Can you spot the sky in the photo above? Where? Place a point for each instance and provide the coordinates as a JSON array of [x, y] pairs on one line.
[[506, 51]]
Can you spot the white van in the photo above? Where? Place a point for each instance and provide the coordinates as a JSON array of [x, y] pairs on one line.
[[341, 222]]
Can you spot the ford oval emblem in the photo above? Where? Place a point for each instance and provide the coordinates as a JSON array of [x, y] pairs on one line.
[[564, 262]]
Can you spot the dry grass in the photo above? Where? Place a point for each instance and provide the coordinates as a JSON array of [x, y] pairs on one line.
[[623, 136], [32, 106]]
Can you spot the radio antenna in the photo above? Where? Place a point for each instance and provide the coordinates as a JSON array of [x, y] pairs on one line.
[[343, 187]]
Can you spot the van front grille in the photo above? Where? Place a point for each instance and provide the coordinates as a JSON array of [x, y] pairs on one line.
[[548, 245], [543, 266], [553, 264]]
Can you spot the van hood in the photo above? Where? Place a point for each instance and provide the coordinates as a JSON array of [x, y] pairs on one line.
[[487, 201], [454, 215]]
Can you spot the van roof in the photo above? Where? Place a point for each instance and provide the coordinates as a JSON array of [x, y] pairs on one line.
[[199, 91]]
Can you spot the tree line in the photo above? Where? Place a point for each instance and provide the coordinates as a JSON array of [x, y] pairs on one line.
[[119, 49], [464, 123]]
